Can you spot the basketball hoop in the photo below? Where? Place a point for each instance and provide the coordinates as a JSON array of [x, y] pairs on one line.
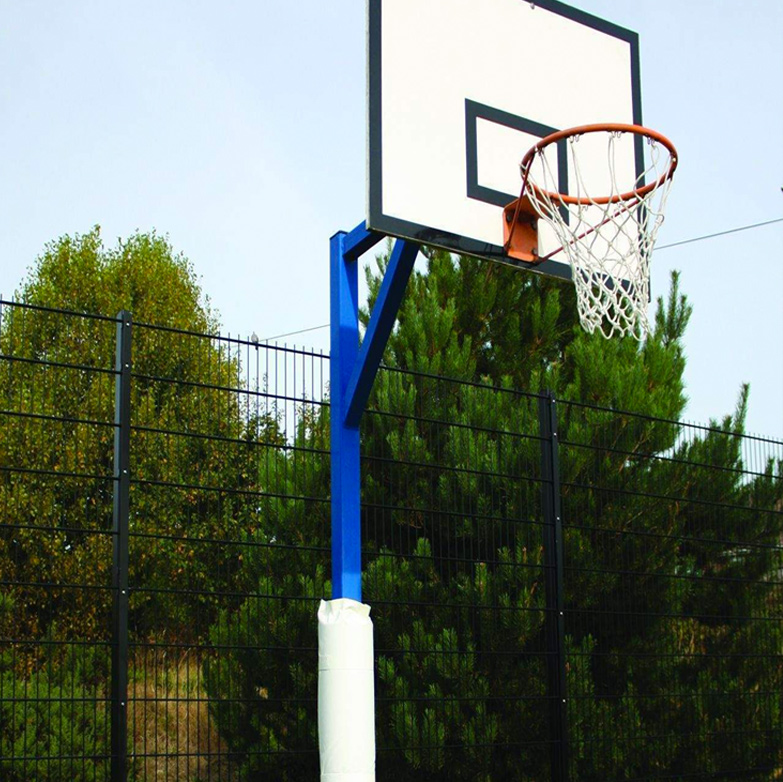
[[607, 227]]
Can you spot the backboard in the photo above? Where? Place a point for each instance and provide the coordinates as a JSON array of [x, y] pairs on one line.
[[459, 90]]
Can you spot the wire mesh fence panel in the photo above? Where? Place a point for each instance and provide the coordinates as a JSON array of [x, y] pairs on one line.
[[229, 545], [454, 570], [673, 556], [558, 591], [56, 488]]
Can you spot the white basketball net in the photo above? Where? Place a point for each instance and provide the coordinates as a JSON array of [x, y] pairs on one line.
[[608, 240]]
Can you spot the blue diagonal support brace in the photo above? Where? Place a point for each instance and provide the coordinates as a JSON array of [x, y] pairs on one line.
[[384, 314]]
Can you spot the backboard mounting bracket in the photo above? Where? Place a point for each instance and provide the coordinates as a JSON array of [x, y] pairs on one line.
[[520, 230]]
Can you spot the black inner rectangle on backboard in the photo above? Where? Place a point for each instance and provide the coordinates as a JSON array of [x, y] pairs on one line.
[[473, 113]]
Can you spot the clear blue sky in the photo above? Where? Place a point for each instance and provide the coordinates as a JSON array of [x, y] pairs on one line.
[[238, 129]]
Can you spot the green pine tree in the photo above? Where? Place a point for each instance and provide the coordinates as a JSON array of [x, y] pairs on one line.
[[659, 593]]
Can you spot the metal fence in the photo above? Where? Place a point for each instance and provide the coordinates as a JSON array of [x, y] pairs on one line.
[[559, 591], [673, 581]]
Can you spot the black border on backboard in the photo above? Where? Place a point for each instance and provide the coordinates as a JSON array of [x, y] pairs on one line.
[[473, 113], [392, 226]]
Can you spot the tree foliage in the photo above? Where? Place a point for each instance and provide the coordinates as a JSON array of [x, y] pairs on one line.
[[671, 543], [56, 545], [667, 606]]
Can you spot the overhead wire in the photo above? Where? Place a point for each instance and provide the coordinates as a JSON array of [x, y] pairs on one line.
[[720, 233], [294, 333], [657, 249]]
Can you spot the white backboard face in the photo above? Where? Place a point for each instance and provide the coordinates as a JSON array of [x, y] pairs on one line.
[[459, 90]]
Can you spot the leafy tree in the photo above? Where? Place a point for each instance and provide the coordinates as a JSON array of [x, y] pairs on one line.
[[190, 488], [456, 580], [58, 375]]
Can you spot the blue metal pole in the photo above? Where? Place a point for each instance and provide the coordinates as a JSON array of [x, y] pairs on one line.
[[346, 512], [351, 377]]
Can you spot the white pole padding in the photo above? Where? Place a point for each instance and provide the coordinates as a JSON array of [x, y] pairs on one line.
[[346, 692]]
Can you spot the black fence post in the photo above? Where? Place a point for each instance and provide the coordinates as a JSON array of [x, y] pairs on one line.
[[553, 565], [119, 659]]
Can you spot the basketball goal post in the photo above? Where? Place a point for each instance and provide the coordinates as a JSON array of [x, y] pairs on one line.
[[588, 209]]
